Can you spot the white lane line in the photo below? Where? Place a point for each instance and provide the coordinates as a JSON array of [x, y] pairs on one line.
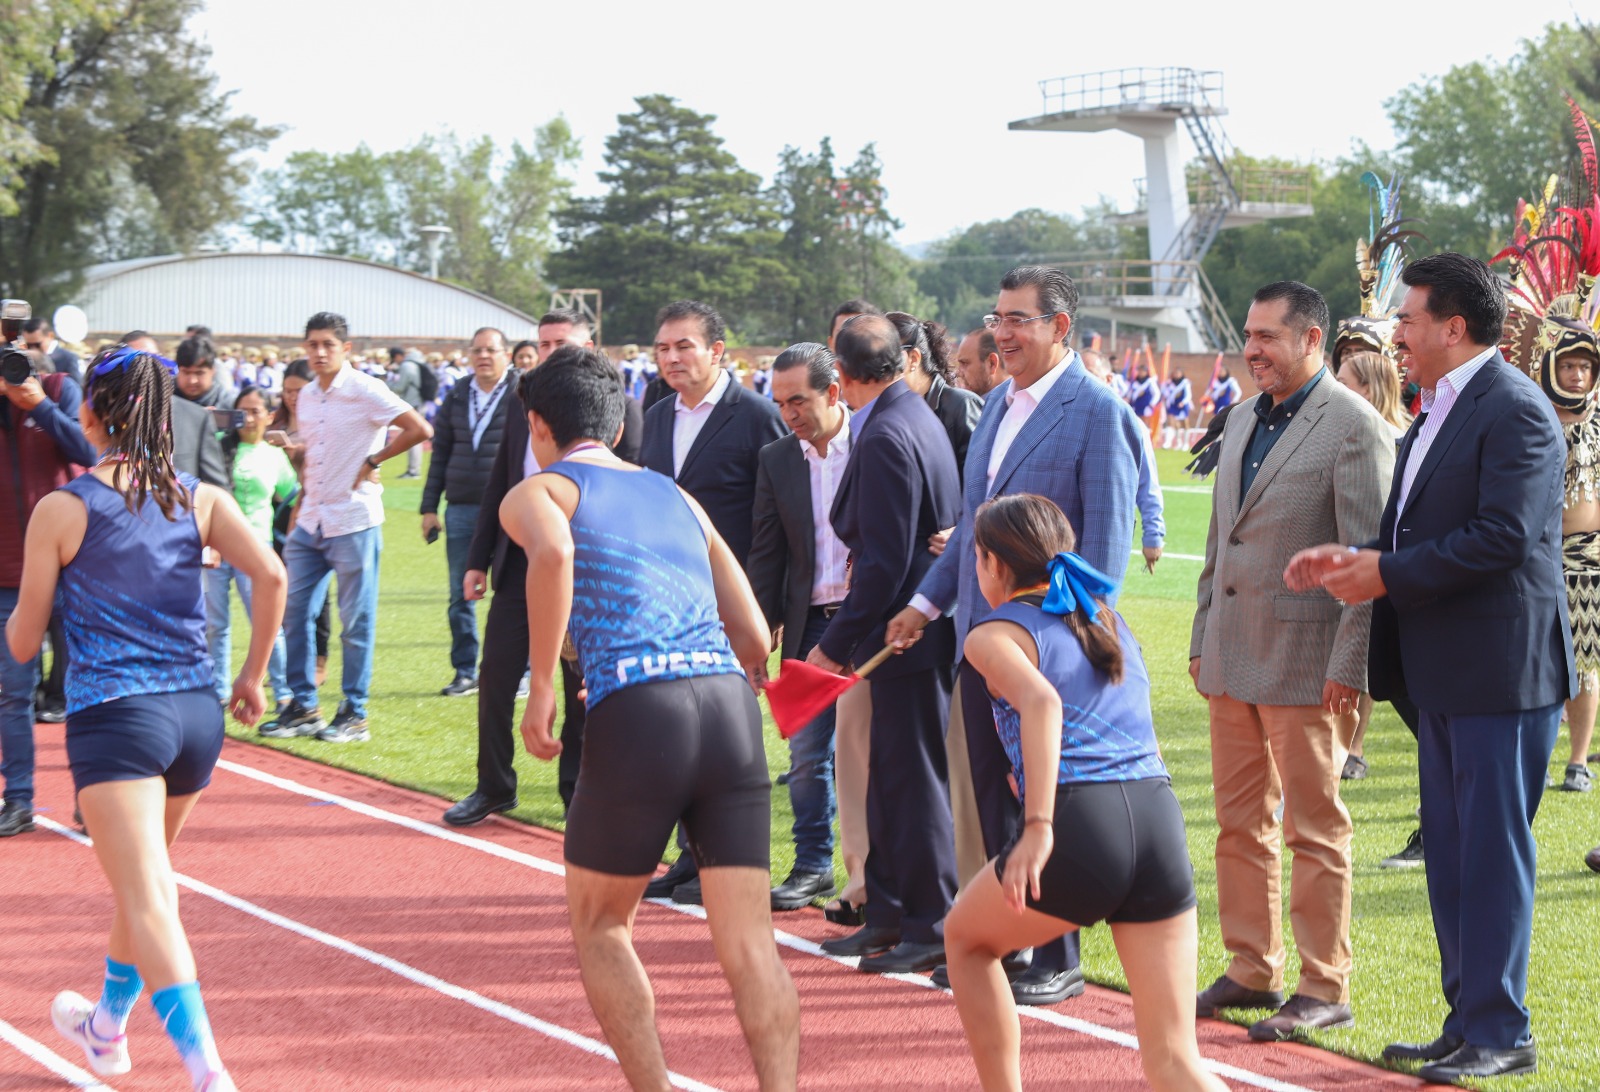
[[48, 1058], [394, 966], [787, 940]]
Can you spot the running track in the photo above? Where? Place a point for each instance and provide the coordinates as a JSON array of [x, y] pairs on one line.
[[346, 940]]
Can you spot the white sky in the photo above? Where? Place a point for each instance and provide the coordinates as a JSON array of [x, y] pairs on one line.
[[933, 83]]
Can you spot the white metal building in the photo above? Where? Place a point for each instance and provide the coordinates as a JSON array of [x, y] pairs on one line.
[[269, 297]]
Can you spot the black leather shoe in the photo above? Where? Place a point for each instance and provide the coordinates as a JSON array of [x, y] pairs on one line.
[[1476, 1061], [1038, 986], [1299, 1015], [907, 957], [688, 893], [682, 871], [464, 686], [801, 888], [1225, 993], [865, 941], [1015, 964], [16, 818], [475, 809], [1439, 1049]]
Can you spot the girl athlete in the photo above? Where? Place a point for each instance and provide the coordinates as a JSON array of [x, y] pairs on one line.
[[1072, 705], [144, 728]]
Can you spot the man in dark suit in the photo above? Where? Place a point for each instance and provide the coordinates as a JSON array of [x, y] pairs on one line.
[[900, 487], [1470, 622], [797, 570], [505, 631], [707, 438], [37, 333]]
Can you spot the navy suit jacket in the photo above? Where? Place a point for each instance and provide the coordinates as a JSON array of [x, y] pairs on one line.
[[719, 471], [899, 487], [1476, 616]]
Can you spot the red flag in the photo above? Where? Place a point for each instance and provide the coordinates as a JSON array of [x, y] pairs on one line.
[[801, 693]]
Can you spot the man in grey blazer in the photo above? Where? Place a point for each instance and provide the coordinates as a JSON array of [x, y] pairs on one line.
[[1304, 462]]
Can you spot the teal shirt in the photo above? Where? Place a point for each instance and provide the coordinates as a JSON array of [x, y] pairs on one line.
[[261, 473]]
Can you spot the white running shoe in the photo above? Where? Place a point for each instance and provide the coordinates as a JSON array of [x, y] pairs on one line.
[[73, 1016], [217, 1082]]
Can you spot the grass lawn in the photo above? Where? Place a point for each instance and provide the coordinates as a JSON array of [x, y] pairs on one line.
[[428, 742]]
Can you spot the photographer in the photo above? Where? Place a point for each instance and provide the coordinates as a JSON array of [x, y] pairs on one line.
[[41, 446]]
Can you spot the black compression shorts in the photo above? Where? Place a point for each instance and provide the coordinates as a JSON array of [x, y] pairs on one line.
[[1120, 854], [659, 753], [176, 737]]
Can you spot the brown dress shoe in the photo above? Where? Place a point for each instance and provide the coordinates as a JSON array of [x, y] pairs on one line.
[[1300, 1014], [1592, 859], [1225, 993]]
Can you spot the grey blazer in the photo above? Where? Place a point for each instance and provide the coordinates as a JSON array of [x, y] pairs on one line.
[[1325, 480]]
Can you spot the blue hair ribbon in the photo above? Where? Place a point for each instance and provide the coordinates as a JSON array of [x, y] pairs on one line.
[[1075, 583], [121, 357]]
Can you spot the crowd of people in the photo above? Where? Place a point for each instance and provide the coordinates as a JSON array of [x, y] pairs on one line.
[[969, 503]]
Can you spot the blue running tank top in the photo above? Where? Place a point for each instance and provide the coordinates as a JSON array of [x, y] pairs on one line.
[[132, 604], [1107, 733], [644, 608]]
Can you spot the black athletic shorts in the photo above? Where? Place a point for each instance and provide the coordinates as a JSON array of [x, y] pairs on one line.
[[1120, 854], [677, 751], [176, 737]]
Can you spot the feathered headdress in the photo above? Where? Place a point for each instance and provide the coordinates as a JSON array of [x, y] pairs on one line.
[[1379, 259], [1554, 259]]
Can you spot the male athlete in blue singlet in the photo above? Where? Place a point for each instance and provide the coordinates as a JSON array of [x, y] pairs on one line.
[[662, 618]]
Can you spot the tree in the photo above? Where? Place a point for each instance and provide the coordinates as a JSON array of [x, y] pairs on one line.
[[363, 204], [681, 219], [120, 145]]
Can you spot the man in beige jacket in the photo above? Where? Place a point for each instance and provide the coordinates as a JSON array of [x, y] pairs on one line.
[[1305, 461]]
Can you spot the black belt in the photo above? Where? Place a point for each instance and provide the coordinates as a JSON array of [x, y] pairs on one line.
[[827, 610]]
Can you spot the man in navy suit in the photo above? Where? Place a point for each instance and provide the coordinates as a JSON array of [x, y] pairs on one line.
[[899, 487], [708, 439], [1470, 622], [1053, 429]]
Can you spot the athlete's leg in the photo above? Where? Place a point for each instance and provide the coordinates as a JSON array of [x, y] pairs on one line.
[[1159, 958], [738, 905], [981, 928], [177, 812], [601, 909]]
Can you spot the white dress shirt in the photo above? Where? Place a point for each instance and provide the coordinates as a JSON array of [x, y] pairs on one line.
[[829, 579], [688, 423], [341, 427], [1020, 405], [1437, 404]]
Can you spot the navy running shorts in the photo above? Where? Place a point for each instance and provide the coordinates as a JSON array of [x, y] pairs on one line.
[[1120, 854], [177, 737], [676, 751]]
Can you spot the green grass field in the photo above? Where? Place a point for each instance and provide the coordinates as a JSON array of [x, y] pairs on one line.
[[428, 742]]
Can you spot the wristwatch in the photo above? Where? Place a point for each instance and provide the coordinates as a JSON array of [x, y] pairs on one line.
[[375, 466]]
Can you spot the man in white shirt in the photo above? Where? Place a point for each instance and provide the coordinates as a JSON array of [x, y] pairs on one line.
[[344, 421], [798, 572]]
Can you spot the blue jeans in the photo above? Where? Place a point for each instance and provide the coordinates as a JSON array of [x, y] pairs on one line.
[[17, 684], [811, 791], [460, 520], [312, 560], [219, 638]]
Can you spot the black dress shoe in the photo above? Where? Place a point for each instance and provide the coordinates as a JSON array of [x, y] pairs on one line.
[[1439, 1049], [907, 957], [801, 888], [1038, 986], [16, 818], [687, 893], [475, 809], [463, 686], [865, 941], [682, 871], [1015, 964], [1225, 993], [1476, 1061]]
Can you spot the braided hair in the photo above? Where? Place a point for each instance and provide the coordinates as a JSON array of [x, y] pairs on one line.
[[131, 393]]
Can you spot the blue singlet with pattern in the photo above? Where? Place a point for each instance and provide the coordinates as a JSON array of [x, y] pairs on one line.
[[1106, 731], [644, 607], [132, 604]]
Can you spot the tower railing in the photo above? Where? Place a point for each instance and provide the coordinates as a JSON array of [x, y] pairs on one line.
[[1178, 283]]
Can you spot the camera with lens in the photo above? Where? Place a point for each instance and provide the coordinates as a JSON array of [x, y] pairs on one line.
[[16, 366]]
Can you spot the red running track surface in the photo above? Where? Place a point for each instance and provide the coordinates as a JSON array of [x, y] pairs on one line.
[[346, 940]]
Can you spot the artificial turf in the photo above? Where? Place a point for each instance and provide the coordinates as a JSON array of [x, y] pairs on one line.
[[428, 742]]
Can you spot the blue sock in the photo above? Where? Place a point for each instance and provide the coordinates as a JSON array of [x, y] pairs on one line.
[[122, 989], [183, 1014]]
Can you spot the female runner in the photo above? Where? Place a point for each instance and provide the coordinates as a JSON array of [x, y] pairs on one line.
[[144, 728], [1072, 706]]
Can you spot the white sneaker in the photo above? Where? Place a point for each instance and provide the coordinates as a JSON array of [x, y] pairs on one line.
[[73, 1016]]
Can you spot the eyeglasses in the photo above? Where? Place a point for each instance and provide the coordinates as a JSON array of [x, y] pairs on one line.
[[1012, 322]]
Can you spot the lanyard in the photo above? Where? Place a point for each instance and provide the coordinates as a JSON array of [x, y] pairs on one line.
[[478, 419]]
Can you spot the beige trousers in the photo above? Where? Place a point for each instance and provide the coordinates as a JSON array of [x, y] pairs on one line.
[[852, 738], [970, 857]]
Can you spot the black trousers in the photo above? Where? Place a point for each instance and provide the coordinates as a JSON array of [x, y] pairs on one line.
[[999, 811], [911, 859], [500, 671]]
